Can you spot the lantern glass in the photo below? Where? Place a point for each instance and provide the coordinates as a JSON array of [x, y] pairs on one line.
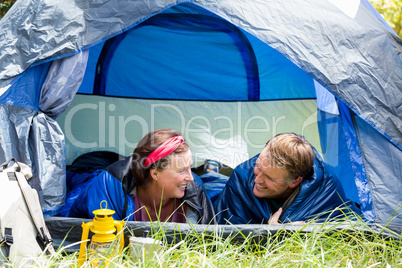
[[101, 251]]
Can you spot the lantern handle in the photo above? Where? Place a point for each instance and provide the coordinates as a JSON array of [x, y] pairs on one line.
[[105, 204]]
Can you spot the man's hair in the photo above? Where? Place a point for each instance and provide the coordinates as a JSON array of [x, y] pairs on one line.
[[292, 152], [149, 143]]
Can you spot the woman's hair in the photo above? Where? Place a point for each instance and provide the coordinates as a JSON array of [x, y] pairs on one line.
[[292, 152], [149, 143]]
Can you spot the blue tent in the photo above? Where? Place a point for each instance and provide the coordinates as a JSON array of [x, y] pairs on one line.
[[79, 76]]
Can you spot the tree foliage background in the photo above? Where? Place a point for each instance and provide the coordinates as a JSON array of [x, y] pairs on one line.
[[5, 6], [391, 10]]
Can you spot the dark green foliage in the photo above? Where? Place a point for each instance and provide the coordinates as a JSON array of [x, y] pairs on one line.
[[5, 5]]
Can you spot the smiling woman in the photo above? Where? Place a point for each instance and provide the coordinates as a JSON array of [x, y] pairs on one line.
[[162, 175], [154, 183]]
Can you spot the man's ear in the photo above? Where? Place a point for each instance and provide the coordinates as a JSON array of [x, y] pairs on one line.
[[154, 174], [295, 182]]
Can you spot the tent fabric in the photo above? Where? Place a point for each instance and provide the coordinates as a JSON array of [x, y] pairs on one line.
[[343, 149], [61, 84], [217, 129], [313, 54], [336, 66], [211, 44], [386, 201], [21, 136], [331, 131]]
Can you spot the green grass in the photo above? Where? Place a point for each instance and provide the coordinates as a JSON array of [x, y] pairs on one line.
[[325, 245]]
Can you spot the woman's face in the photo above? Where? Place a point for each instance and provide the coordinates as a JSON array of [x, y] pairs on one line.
[[174, 178]]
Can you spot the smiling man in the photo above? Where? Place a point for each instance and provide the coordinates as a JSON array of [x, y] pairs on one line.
[[286, 182]]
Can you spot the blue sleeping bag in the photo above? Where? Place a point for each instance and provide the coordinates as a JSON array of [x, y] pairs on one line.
[[91, 189], [88, 190]]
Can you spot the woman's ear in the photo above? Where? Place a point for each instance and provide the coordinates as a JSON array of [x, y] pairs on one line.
[[295, 182], [154, 174]]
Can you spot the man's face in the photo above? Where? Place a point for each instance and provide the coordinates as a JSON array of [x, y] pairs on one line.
[[270, 180]]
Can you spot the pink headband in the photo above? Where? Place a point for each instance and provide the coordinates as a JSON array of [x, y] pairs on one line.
[[163, 150]]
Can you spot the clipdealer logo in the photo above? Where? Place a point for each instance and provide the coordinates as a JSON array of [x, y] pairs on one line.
[[202, 131]]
